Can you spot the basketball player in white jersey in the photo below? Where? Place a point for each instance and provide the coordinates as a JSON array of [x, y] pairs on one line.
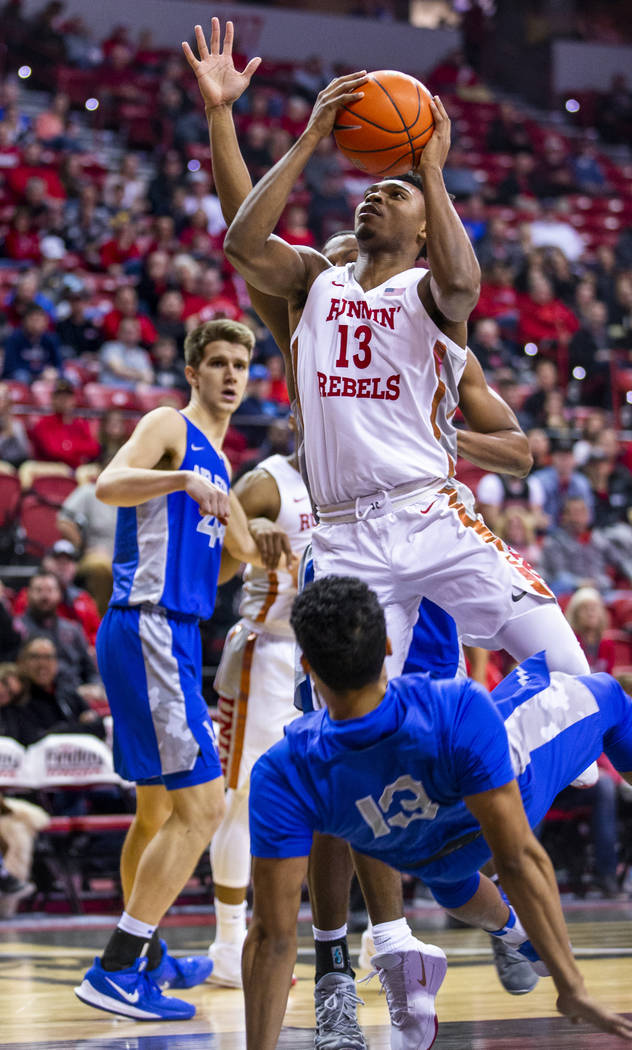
[[494, 437], [255, 683]]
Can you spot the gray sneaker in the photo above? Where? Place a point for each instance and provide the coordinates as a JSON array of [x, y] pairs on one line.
[[515, 973], [336, 1004]]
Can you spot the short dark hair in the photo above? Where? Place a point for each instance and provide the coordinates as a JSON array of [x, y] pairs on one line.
[[338, 233], [339, 624], [411, 177], [212, 331]]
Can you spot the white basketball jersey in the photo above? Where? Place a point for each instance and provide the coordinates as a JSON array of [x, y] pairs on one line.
[[377, 383], [266, 599]]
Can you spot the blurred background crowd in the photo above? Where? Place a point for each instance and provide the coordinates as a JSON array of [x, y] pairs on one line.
[[111, 251]]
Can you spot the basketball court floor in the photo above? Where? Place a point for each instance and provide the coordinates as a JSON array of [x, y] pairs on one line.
[[43, 957]]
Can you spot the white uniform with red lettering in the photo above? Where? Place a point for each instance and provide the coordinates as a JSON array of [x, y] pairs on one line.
[[255, 678], [377, 385]]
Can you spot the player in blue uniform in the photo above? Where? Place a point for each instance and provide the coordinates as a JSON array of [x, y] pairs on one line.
[[171, 483], [435, 778]]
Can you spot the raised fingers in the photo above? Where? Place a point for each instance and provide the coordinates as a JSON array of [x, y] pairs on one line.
[[200, 40], [228, 38], [215, 34]]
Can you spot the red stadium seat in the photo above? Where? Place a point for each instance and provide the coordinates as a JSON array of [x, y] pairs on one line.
[[10, 495], [20, 392], [622, 646], [41, 390], [621, 613], [154, 397], [105, 397], [38, 523], [53, 488]]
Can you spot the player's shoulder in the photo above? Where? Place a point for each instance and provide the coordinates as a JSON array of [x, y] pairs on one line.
[[162, 418]]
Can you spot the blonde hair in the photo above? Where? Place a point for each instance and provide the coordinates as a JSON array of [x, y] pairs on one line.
[[213, 331], [525, 516], [580, 597]]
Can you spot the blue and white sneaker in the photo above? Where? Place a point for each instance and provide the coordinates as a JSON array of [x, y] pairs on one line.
[[180, 973], [130, 993]]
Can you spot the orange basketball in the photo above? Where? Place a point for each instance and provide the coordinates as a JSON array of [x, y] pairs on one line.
[[385, 132]]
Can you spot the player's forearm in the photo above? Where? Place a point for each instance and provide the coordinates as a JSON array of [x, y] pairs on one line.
[[259, 214], [266, 965], [231, 176], [455, 271], [529, 882], [131, 486], [503, 451]]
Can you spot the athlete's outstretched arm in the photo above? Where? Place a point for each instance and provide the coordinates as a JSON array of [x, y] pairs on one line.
[[220, 86], [241, 545], [494, 440], [527, 877], [266, 261], [455, 273], [132, 477], [270, 948]]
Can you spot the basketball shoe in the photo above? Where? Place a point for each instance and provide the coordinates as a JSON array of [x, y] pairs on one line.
[[180, 973], [336, 1005], [226, 962], [130, 993], [515, 973], [411, 979], [11, 886], [367, 950]]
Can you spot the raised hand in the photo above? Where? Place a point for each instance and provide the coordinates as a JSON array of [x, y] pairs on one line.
[[341, 91], [219, 82], [435, 152]]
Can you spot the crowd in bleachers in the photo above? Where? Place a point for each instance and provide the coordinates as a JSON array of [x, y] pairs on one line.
[[112, 250]]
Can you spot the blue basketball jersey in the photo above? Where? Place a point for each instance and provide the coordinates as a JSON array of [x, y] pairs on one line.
[[392, 782], [165, 553]]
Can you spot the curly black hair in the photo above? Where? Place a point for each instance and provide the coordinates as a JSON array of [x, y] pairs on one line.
[[339, 624]]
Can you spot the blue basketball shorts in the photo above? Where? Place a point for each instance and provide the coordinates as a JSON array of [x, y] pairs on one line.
[[151, 665]]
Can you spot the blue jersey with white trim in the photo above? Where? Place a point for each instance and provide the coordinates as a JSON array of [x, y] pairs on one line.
[[165, 552], [392, 782]]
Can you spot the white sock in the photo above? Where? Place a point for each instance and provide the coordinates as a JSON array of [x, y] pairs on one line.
[[391, 936], [330, 935], [231, 922], [129, 924]]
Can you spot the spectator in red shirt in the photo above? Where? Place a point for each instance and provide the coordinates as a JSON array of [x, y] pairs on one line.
[[588, 616], [210, 302], [126, 306], [294, 228], [60, 437], [544, 320], [32, 166], [120, 249], [76, 604], [22, 243], [498, 299]]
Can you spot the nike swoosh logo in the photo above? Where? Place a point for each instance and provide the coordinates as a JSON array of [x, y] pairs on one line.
[[428, 508], [197, 448], [299, 499], [338, 284], [518, 596], [131, 997], [423, 981]]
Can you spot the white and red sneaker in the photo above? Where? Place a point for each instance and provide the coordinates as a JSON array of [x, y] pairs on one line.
[[411, 979]]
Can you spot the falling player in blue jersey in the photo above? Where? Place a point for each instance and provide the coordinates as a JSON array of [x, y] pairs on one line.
[[434, 778], [171, 484]]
